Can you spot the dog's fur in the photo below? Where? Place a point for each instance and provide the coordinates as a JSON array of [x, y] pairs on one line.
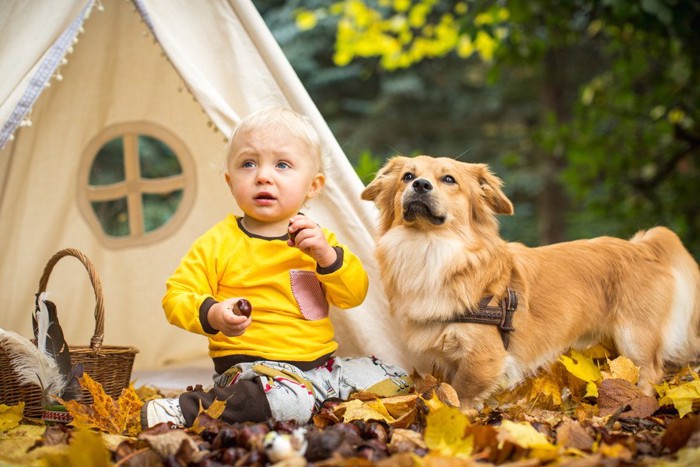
[[439, 252]]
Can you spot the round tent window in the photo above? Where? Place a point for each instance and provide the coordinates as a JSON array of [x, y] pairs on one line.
[[136, 184]]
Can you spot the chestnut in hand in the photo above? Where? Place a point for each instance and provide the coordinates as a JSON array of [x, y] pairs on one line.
[[243, 307]]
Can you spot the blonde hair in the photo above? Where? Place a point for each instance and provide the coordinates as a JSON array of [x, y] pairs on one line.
[[282, 118]]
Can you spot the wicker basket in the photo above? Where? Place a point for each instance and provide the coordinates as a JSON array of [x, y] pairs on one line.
[[109, 365]]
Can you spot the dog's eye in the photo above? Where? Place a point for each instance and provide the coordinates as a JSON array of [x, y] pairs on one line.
[[408, 176], [449, 179]]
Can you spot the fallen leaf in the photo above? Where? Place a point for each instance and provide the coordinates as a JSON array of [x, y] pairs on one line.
[[523, 435], [406, 441], [447, 394], [208, 419], [167, 444], [584, 369], [445, 432], [571, 434], [682, 397], [679, 432], [622, 368], [10, 416], [615, 394], [86, 448], [545, 389], [106, 414], [615, 451], [359, 410]]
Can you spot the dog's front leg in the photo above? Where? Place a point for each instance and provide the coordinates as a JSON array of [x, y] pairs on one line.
[[478, 376]]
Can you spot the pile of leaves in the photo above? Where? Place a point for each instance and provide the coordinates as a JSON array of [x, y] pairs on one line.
[[584, 410]]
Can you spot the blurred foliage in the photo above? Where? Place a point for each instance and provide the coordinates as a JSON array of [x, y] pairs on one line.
[[587, 109]]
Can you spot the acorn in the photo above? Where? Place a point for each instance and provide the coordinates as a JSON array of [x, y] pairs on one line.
[[243, 307]]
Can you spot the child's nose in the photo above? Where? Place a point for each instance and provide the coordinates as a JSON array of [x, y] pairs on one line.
[[264, 174]]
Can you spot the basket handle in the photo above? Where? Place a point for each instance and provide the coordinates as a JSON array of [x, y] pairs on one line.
[[98, 337]]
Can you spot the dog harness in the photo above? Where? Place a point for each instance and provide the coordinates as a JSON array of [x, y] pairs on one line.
[[500, 315]]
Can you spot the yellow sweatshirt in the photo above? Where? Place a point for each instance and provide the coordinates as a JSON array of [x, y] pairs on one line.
[[288, 293]]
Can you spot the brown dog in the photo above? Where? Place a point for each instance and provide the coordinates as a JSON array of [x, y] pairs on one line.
[[489, 313]]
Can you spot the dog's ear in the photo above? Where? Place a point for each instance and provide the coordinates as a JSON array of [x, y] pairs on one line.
[[382, 190], [384, 177], [491, 191]]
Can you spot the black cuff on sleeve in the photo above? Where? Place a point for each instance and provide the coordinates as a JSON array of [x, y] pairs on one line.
[[203, 315], [335, 266]]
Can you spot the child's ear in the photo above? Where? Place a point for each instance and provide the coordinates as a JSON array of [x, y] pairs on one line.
[[317, 184], [228, 181]]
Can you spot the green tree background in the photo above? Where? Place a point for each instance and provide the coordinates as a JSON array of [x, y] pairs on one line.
[[587, 109]]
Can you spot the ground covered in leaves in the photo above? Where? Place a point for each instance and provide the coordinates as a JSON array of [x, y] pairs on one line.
[[585, 410]]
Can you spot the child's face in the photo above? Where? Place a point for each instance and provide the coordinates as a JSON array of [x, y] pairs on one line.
[[271, 174]]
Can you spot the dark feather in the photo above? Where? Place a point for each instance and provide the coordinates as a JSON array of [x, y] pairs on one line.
[[57, 348]]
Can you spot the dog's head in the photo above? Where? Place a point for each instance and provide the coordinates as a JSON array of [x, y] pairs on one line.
[[424, 191]]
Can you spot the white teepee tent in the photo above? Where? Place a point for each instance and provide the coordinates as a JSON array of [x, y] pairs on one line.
[[75, 72]]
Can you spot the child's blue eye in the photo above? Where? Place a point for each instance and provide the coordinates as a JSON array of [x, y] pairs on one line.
[[248, 164], [283, 165]]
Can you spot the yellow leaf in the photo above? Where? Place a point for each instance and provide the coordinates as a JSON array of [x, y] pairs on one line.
[[10, 416], [622, 368], [86, 448], [129, 404], [216, 409], [591, 390], [682, 397], [688, 456], [434, 403], [615, 451], [523, 435], [358, 410], [548, 387], [106, 414], [445, 432], [581, 366]]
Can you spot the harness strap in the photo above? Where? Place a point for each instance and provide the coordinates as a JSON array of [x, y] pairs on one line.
[[500, 316]]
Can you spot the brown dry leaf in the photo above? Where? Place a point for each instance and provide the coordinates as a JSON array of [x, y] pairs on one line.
[[571, 434], [485, 442], [448, 395], [168, 443], [327, 416], [424, 383], [614, 394], [405, 441], [679, 432], [208, 418]]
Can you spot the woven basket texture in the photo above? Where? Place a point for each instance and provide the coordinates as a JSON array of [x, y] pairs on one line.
[[109, 365]]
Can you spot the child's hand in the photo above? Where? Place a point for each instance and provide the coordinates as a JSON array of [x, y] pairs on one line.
[[222, 318], [306, 235]]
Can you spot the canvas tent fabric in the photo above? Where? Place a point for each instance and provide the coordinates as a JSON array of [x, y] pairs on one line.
[[73, 68]]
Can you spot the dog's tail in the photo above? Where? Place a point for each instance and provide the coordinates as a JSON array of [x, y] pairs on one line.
[[668, 248]]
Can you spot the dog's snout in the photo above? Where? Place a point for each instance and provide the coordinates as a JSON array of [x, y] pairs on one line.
[[421, 185]]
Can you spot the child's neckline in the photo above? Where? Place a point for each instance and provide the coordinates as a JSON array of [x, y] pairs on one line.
[[239, 221]]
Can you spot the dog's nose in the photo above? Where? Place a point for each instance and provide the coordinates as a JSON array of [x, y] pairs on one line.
[[421, 185]]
